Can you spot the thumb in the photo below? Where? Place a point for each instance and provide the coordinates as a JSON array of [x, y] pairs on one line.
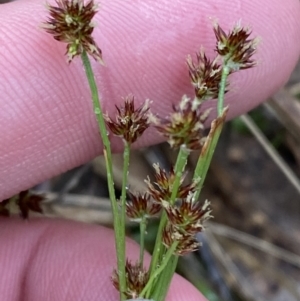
[[46, 116], [48, 260]]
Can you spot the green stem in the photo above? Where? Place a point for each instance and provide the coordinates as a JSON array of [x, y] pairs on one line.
[[178, 169], [108, 160], [159, 269], [158, 247], [143, 225], [213, 138], [126, 159], [161, 288], [225, 73], [204, 161]]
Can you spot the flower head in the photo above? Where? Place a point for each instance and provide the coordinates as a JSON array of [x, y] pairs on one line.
[[187, 243], [70, 22], [205, 76], [136, 279], [188, 216], [141, 206], [161, 189], [130, 123], [184, 126], [236, 47]]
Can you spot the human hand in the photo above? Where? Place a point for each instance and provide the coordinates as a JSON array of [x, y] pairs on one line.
[[64, 261], [48, 125]]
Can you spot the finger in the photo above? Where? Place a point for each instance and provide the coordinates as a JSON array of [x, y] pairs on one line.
[[65, 261], [46, 116]]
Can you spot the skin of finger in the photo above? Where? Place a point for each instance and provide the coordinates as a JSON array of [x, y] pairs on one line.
[[43, 259], [46, 116]]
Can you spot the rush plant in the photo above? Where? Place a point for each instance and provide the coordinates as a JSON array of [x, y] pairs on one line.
[[181, 211]]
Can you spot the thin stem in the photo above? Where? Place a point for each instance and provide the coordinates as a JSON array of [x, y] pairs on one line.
[[126, 159], [213, 138], [225, 73], [160, 268], [179, 169], [162, 286], [206, 155], [158, 247], [143, 224], [101, 123], [108, 160]]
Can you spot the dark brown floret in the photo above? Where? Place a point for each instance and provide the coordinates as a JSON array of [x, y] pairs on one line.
[[205, 76], [161, 189], [136, 279], [141, 206], [184, 126], [187, 243], [236, 47], [70, 22], [188, 216], [130, 123]]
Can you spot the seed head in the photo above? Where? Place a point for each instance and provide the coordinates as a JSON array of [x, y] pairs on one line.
[[184, 126], [161, 189], [188, 216], [136, 279], [141, 206], [187, 243], [236, 47], [130, 123], [70, 22], [205, 76]]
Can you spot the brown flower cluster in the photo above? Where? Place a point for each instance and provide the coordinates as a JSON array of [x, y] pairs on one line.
[[136, 279], [185, 219], [162, 188], [70, 22], [186, 216], [24, 201], [130, 123], [184, 126], [236, 47], [205, 76], [141, 206], [186, 243]]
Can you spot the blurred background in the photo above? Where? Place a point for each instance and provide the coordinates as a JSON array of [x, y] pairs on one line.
[[251, 249]]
